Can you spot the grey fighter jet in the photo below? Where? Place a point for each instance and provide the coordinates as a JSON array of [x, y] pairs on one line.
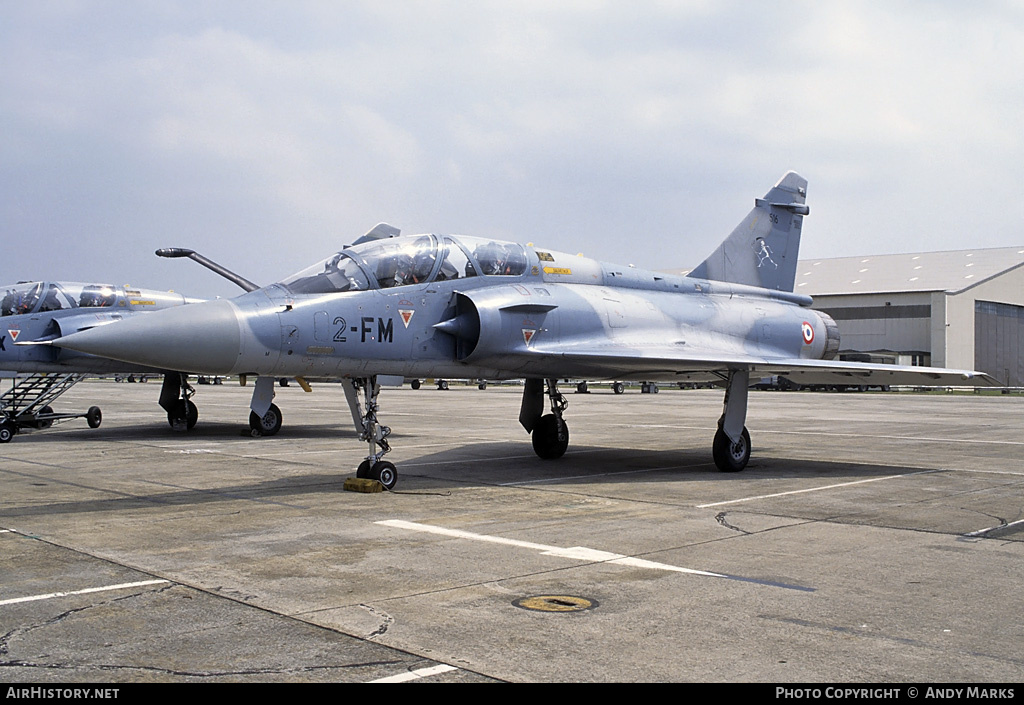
[[33, 313], [40, 311], [388, 308]]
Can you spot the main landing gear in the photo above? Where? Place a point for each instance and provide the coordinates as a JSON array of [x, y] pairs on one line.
[[176, 399], [731, 447], [265, 418], [182, 414], [550, 434], [364, 416]]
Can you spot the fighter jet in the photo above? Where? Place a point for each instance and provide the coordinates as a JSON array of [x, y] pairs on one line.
[[393, 307], [45, 310]]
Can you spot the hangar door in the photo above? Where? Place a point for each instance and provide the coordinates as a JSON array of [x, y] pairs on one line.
[[999, 341]]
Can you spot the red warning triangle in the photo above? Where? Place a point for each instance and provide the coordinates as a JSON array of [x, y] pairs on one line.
[[14, 333], [528, 334], [406, 314]]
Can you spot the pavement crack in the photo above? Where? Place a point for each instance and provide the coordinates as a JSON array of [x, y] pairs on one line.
[[386, 620], [18, 632], [720, 518]]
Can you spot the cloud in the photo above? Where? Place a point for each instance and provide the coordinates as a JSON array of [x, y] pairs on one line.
[[639, 132]]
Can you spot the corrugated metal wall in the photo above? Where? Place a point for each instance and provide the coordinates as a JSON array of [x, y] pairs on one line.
[[999, 341]]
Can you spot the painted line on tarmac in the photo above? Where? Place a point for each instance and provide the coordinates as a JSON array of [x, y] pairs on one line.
[[576, 552], [416, 675], [51, 595], [813, 489], [982, 532]]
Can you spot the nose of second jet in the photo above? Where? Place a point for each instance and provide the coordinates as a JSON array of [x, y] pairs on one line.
[[201, 337]]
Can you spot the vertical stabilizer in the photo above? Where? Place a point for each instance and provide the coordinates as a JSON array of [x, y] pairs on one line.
[[763, 249]]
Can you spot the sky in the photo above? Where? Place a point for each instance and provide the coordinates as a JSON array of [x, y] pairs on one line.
[[267, 135]]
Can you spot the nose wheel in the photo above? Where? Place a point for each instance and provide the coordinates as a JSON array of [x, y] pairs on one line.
[[382, 471]]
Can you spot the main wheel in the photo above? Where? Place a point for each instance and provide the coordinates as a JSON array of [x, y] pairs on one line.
[[44, 423], [550, 437], [7, 431], [442, 385], [94, 417], [415, 384], [266, 425], [183, 415], [729, 456], [618, 388], [385, 473]]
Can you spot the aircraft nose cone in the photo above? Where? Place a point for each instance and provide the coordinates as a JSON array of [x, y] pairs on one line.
[[200, 337]]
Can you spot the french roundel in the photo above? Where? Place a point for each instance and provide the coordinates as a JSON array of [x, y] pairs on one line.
[[808, 331]]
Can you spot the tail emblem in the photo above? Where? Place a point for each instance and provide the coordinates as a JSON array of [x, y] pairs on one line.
[[764, 253]]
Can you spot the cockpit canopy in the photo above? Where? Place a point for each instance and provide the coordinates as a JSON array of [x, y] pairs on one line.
[[407, 261], [35, 297]]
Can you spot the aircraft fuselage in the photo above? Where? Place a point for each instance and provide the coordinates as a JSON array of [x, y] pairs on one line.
[[499, 326]]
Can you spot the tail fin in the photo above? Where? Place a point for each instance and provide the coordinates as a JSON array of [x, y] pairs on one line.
[[762, 250]]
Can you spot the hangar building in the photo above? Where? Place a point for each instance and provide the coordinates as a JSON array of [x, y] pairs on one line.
[[962, 309]]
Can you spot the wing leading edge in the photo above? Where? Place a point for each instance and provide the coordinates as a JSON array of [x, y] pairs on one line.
[[655, 366]]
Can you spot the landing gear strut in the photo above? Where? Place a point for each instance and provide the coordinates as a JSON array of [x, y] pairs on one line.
[[370, 430]]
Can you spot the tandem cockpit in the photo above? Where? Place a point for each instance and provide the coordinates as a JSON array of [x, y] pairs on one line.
[[56, 297], [37, 297], [407, 261]]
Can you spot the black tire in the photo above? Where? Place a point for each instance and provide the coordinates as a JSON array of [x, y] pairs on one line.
[[729, 456], [415, 384], [443, 385], [183, 415], [266, 425], [7, 431], [385, 473], [550, 437], [94, 417], [481, 386], [44, 423], [581, 388], [618, 388]]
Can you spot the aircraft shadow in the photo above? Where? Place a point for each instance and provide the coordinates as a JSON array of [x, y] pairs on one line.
[[508, 464]]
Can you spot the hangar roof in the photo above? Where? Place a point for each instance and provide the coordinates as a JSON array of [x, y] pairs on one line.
[[952, 270]]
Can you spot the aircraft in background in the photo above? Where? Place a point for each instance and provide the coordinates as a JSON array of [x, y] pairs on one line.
[[45, 310], [392, 307], [41, 311]]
